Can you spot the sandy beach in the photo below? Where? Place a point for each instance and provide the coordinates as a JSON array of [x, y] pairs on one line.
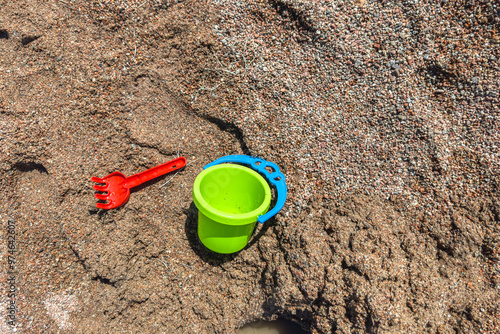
[[384, 116]]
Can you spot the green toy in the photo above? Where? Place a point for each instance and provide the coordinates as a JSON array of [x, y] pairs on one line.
[[230, 199]]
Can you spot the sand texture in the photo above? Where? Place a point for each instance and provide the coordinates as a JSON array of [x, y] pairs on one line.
[[383, 115]]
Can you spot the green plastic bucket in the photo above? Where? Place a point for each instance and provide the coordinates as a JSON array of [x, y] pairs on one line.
[[229, 199]]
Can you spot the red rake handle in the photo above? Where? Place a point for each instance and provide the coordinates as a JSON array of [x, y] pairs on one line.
[[152, 173]]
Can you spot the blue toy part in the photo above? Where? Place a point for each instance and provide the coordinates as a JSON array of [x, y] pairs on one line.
[[277, 179]]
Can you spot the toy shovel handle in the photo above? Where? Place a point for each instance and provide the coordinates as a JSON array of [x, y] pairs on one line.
[[152, 173], [276, 178]]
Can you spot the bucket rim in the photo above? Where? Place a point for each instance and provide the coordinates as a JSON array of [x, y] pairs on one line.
[[231, 218]]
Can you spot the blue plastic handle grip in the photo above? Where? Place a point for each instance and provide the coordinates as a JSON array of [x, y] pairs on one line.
[[277, 179]]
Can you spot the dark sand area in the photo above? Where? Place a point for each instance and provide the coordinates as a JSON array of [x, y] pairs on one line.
[[383, 115]]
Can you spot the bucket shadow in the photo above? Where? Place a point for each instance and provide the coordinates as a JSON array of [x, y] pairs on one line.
[[208, 256]]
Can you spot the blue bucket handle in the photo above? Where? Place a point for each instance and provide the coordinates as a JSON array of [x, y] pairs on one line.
[[277, 179]]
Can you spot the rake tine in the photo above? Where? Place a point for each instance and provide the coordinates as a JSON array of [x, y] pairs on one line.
[[97, 179], [101, 197], [100, 188], [104, 206]]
